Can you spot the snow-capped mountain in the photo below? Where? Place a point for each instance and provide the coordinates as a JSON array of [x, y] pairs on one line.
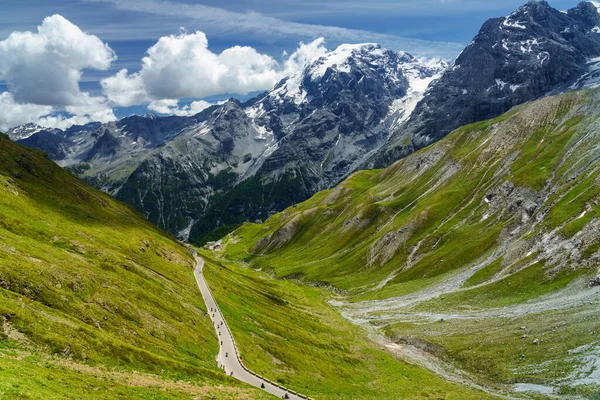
[[306, 134], [535, 51], [25, 131], [361, 68], [356, 106]]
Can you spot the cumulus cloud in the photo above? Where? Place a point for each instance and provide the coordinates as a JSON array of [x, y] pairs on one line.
[[305, 53], [125, 89], [13, 113], [42, 71], [182, 66], [88, 109], [46, 67], [171, 107]]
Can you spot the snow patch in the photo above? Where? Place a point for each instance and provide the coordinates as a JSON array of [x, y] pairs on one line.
[[25, 131], [513, 24], [591, 78], [530, 387], [418, 81], [339, 57], [589, 372], [203, 129]]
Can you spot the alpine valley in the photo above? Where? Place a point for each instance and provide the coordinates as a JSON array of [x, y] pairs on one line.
[[357, 106], [204, 175], [389, 227]]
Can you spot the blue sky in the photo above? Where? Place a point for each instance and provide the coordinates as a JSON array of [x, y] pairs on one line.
[[129, 27]]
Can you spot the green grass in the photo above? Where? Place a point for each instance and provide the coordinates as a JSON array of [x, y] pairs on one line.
[[288, 333], [85, 277], [485, 273], [527, 284], [478, 200], [498, 350], [34, 375]]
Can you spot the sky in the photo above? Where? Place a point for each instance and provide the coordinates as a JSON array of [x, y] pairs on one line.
[[65, 62]]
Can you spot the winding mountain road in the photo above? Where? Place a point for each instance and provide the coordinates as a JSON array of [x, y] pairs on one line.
[[228, 357]]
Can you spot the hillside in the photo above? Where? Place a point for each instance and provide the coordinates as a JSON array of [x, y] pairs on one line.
[[354, 107], [93, 298], [480, 251], [95, 302], [286, 330]]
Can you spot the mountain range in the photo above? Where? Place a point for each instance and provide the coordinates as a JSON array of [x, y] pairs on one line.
[[476, 257], [466, 266], [96, 302], [356, 107]]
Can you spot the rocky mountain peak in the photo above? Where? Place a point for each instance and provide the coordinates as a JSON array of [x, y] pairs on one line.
[[150, 115], [586, 12], [25, 131], [535, 51], [344, 59]]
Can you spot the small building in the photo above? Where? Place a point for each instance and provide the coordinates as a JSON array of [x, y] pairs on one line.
[[214, 246]]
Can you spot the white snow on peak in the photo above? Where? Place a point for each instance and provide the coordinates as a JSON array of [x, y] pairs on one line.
[[150, 115], [591, 78], [420, 74], [291, 88], [395, 65], [338, 58], [24, 131], [509, 23]]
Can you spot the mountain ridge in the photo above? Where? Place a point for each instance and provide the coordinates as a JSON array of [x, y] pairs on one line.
[[356, 107], [319, 124], [465, 249]]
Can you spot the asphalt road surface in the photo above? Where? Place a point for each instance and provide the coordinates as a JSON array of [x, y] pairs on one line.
[[227, 358]]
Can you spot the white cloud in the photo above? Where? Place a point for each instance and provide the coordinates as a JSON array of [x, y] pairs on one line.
[[42, 71], [89, 109], [182, 66], [46, 67], [305, 53], [221, 21], [124, 89], [13, 114], [171, 107]]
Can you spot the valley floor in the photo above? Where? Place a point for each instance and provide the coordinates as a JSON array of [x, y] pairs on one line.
[[287, 332]]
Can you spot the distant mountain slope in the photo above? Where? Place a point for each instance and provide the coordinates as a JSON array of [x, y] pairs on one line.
[[309, 132], [87, 284], [535, 51], [95, 302], [496, 224], [356, 107]]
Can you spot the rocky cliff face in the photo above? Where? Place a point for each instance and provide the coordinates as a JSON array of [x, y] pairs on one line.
[[355, 107], [535, 51], [325, 121], [236, 162]]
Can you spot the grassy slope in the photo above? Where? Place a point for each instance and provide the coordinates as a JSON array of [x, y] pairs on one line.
[[289, 333], [445, 210], [85, 279]]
